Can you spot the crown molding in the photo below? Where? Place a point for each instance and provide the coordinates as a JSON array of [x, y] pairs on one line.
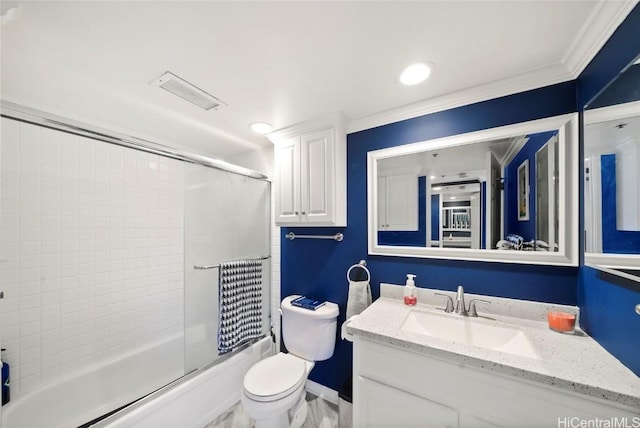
[[517, 143], [605, 18], [533, 79]]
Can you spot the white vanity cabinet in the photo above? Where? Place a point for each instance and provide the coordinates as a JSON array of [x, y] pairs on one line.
[[394, 387], [398, 202], [310, 175]]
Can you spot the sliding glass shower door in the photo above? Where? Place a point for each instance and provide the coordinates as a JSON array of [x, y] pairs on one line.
[[227, 218], [100, 304]]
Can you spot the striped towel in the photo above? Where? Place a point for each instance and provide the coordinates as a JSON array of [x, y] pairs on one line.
[[240, 300]]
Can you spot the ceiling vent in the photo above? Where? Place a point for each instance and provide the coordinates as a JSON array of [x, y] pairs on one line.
[[188, 92]]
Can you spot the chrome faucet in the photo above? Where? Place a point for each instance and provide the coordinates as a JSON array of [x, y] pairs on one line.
[[460, 307]]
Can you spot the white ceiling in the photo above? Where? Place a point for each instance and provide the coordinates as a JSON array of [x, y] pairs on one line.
[[286, 62]]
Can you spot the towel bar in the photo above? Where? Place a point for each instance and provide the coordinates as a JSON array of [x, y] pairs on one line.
[[199, 267], [338, 236]]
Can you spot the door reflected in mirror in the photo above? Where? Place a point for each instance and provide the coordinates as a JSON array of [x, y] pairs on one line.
[[612, 174], [504, 194], [612, 181]]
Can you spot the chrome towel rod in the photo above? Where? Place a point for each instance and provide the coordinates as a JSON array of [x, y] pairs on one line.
[[198, 267], [291, 236]]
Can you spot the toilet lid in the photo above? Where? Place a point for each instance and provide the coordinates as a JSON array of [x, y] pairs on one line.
[[274, 377]]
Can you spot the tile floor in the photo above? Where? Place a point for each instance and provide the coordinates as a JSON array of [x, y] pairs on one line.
[[322, 414]]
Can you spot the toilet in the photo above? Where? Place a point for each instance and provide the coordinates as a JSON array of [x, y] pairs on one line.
[[273, 390]]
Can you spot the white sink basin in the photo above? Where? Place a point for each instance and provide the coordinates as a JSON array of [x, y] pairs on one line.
[[470, 331]]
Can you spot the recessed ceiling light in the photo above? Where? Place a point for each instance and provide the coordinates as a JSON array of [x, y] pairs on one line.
[[415, 73], [452, 198], [261, 128], [432, 177]]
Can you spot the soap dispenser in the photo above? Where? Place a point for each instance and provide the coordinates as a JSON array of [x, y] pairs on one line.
[[410, 291]]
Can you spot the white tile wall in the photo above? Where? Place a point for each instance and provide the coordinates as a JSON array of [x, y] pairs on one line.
[[91, 251]]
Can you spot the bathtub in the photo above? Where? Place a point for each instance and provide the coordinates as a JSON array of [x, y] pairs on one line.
[[192, 401], [95, 390], [195, 400]]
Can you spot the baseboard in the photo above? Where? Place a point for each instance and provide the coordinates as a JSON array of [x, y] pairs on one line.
[[322, 391]]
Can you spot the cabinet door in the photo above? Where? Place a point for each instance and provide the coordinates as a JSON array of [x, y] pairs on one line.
[[381, 405], [287, 183], [317, 177], [401, 202]]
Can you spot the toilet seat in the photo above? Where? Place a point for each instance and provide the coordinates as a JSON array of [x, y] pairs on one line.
[[275, 377]]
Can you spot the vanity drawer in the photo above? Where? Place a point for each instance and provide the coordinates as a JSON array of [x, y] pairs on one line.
[[385, 406]]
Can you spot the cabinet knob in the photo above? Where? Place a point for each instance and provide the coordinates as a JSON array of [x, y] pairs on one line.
[[304, 213], [296, 212]]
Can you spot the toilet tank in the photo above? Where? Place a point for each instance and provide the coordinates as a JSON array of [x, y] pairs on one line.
[[309, 334]]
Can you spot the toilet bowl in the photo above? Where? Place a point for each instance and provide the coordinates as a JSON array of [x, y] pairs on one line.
[[273, 390]]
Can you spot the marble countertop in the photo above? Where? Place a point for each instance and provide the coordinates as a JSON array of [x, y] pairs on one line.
[[574, 362]]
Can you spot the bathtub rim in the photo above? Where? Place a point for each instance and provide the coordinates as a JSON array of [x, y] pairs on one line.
[[180, 382]]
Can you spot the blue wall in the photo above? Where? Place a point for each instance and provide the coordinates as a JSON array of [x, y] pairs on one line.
[[614, 240], [620, 50], [317, 268], [524, 228], [416, 238], [606, 304], [607, 314], [624, 89]]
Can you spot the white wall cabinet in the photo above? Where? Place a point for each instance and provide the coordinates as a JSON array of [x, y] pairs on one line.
[[310, 174], [398, 203], [395, 387]]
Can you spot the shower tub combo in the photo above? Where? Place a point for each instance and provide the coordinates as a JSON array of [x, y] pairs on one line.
[[192, 401]]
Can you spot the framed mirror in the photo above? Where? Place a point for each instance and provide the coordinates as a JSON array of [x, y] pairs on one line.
[[612, 176], [507, 194]]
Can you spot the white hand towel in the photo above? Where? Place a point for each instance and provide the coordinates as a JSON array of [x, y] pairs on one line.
[[359, 297]]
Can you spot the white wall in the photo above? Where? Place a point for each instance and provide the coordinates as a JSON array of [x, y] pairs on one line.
[[260, 160], [91, 255]]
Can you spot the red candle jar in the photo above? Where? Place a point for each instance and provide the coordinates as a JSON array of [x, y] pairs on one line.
[[561, 321]]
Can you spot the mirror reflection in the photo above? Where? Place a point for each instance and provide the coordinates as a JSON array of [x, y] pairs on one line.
[[612, 168], [500, 194]]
